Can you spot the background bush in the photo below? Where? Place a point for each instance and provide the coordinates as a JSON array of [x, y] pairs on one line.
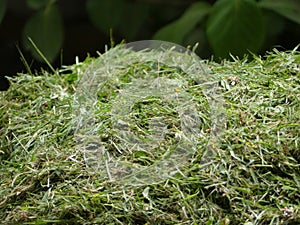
[[78, 27]]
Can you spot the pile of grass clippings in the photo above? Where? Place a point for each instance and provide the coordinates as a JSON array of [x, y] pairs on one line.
[[254, 178]]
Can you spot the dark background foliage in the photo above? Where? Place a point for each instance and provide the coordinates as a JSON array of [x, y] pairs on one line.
[[77, 28]]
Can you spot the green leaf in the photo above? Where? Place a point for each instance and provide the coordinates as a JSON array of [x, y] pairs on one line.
[[287, 8], [46, 30], [235, 26], [105, 14], [37, 4], [2, 9], [178, 30]]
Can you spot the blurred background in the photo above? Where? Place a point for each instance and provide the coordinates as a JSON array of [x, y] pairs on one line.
[[65, 29]]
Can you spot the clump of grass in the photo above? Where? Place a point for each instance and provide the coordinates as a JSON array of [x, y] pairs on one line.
[[253, 179]]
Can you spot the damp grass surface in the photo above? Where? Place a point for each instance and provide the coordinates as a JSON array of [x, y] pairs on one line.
[[253, 177]]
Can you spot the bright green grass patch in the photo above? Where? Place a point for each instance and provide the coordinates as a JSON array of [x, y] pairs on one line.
[[253, 179]]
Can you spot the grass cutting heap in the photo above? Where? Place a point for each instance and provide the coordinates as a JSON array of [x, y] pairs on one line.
[[250, 175]]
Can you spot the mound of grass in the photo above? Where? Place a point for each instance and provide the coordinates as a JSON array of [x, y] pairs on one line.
[[254, 177]]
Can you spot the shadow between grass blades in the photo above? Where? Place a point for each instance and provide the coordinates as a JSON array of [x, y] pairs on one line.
[[136, 122]]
